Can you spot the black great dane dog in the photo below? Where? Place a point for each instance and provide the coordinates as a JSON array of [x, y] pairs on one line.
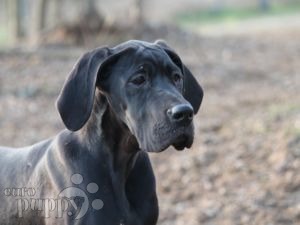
[[117, 104]]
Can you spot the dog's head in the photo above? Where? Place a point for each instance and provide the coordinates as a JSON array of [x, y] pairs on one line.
[[147, 87]]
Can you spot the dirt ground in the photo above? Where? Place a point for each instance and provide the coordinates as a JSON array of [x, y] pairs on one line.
[[244, 165]]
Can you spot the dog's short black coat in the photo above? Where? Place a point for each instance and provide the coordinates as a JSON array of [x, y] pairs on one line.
[[117, 104]]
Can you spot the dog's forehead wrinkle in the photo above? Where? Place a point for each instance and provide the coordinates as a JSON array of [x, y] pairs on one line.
[[156, 58], [140, 52]]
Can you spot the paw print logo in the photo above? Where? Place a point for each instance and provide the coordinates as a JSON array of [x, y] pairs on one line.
[[71, 193]]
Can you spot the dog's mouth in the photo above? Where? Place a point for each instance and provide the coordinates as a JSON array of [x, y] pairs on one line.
[[179, 138], [182, 141]]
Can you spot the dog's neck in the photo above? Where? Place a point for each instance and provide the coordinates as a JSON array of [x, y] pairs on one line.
[[105, 128], [117, 147]]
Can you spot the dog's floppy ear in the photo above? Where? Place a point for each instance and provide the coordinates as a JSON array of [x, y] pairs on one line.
[[192, 90], [75, 102], [76, 98]]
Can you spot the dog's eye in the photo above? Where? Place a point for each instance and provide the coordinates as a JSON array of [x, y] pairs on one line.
[[139, 79], [176, 77]]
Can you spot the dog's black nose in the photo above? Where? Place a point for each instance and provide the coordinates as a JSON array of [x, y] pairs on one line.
[[182, 113]]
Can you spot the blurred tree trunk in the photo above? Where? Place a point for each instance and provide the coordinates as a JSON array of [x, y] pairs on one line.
[[42, 14], [37, 19], [91, 19], [13, 20], [218, 6], [16, 20], [137, 12], [264, 5], [90, 5], [58, 10]]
